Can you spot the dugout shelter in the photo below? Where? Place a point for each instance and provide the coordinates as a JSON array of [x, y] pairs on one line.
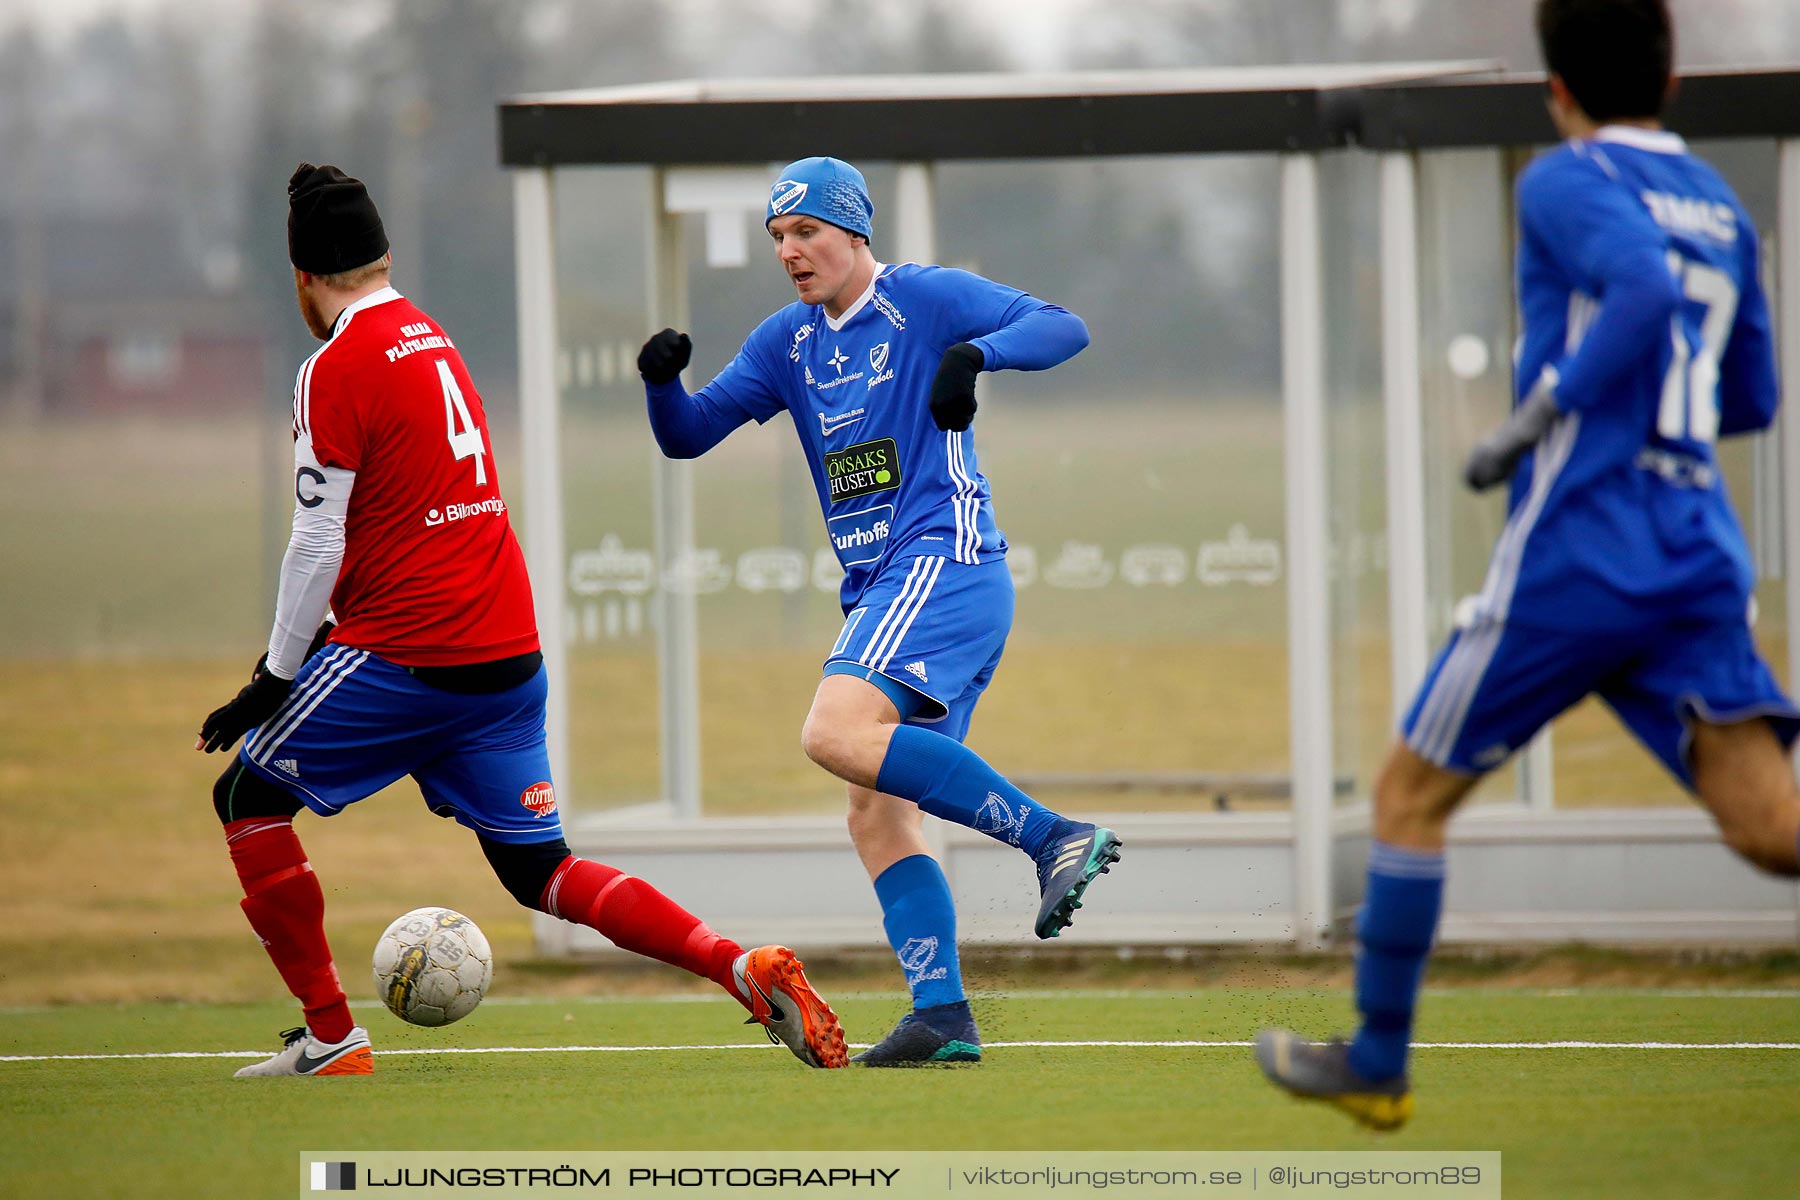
[[1336, 527]]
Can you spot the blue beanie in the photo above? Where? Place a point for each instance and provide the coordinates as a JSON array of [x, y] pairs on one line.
[[827, 188]]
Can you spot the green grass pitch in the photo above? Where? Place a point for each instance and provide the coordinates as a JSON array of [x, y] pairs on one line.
[[1570, 1121]]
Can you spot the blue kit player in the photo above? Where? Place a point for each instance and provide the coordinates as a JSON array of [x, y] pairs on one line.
[[1622, 570], [877, 365]]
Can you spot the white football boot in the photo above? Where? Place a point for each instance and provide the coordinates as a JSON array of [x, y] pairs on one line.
[[305, 1054]]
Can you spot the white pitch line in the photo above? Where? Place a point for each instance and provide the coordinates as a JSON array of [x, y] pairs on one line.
[[1175, 994], [1466, 1045], [1192, 1045], [14, 1010]]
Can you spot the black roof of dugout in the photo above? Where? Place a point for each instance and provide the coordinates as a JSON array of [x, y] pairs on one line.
[[1509, 110], [1076, 114]]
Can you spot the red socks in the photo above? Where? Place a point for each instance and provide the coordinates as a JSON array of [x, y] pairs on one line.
[[635, 916], [286, 908]]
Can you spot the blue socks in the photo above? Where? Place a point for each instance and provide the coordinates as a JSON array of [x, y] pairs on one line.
[[947, 779], [1393, 934], [921, 927]]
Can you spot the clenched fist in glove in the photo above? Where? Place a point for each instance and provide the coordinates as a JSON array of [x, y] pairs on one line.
[[1497, 455], [665, 356], [953, 390]]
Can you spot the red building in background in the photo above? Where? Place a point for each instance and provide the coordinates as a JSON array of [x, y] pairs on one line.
[[114, 314]]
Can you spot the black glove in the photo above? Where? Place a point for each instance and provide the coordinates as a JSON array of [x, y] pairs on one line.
[[1497, 455], [316, 645], [953, 391], [253, 705], [665, 356]]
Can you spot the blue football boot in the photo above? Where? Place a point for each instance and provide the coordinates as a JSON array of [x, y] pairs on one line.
[[1065, 867], [944, 1033]]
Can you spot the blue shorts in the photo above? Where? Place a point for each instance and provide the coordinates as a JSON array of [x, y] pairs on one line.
[[355, 723], [1495, 685], [929, 632]]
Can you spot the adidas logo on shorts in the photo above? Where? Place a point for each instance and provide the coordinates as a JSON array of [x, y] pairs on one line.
[[288, 766], [916, 668]]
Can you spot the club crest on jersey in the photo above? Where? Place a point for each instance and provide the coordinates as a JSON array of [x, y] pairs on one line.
[[878, 359], [540, 798], [785, 195]]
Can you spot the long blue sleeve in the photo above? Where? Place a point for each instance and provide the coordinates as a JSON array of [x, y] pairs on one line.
[[688, 425], [1035, 336], [1633, 322], [1749, 390], [1014, 330], [1618, 256], [685, 426]]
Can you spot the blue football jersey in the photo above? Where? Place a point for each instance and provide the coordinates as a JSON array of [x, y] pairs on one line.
[[891, 484], [1640, 300]]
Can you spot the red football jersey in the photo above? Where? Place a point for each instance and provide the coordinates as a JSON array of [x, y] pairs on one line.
[[432, 573]]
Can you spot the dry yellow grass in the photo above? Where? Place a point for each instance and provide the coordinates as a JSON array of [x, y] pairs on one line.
[[116, 885], [113, 874]]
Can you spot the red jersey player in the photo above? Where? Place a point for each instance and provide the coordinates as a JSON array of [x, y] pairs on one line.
[[433, 669]]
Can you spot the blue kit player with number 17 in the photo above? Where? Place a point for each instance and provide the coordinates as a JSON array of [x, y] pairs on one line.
[[877, 366], [1621, 571]]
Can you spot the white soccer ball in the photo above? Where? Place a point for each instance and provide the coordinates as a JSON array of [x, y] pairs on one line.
[[432, 966]]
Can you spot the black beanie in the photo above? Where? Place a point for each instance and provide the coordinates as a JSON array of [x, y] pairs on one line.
[[332, 223]]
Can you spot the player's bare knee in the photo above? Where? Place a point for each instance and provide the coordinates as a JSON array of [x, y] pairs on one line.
[[843, 744], [1414, 797], [1762, 834], [1779, 857], [1400, 792], [1759, 849], [823, 741], [1744, 777]]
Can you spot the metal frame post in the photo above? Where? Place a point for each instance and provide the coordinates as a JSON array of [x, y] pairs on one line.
[[534, 256], [1536, 775], [1408, 622], [677, 628], [915, 240], [1308, 544], [915, 213], [1787, 283]]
